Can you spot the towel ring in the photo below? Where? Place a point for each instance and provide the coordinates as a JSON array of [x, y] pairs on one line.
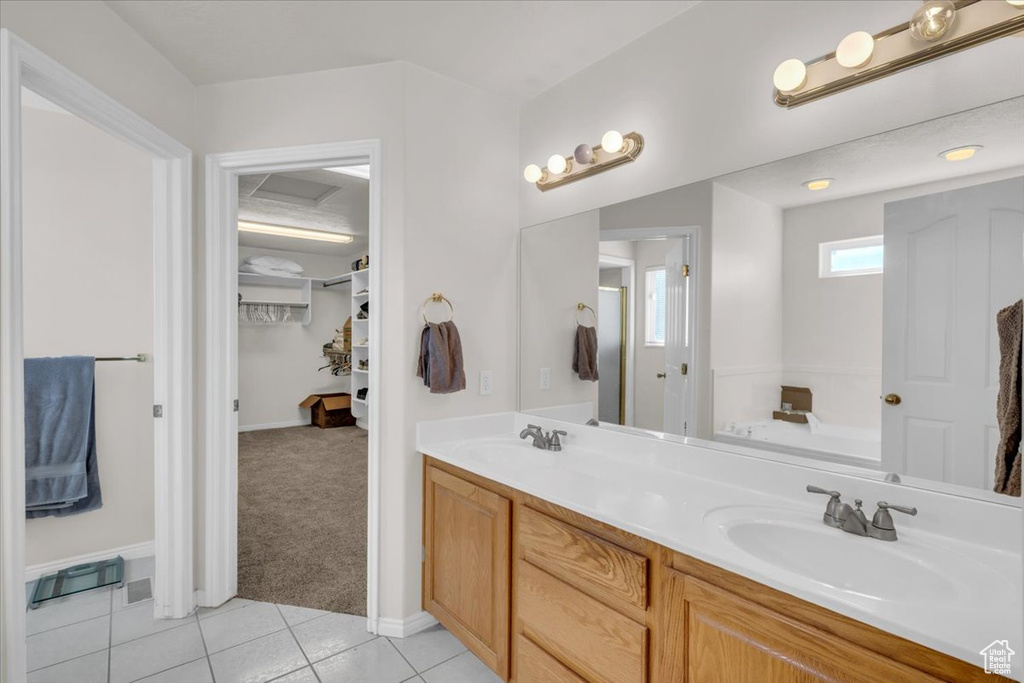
[[436, 297], [580, 307]]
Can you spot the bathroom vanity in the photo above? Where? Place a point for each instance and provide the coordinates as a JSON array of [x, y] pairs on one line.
[[625, 559]]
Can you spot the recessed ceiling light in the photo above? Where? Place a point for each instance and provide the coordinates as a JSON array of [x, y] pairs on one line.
[[298, 233], [361, 171], [818, 184], [960, 153]]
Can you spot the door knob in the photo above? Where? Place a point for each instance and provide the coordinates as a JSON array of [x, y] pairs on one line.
[[893, 399], [661, 375]]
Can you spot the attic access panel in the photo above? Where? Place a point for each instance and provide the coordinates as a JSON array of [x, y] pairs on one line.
[[290, 190]]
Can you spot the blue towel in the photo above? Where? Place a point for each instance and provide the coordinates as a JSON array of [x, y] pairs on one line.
[[60, 436]]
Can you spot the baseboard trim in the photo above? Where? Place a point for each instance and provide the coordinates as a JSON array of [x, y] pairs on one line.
[[128, 552], [273, 425], [403, 628]]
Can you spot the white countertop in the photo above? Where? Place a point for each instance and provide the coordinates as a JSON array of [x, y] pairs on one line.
[[959, 559]]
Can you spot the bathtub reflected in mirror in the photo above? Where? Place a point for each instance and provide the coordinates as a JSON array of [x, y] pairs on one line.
[[867, 326]]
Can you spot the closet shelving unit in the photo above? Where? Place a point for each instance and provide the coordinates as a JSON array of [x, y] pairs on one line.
[[360, 332], [275, 290]]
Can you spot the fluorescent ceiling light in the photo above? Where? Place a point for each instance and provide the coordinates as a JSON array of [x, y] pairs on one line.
[[297, 233], [362, 171]]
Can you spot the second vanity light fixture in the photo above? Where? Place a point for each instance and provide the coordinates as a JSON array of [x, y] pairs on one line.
[[615, 149], [938, 28]]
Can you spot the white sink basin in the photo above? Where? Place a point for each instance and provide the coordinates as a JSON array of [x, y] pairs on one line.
[[911, 569]]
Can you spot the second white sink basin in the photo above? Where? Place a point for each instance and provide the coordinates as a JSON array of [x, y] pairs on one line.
[[907, 570]]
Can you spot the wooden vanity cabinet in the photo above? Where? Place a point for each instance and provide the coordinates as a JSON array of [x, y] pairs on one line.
[[466, 562], [543, 594]]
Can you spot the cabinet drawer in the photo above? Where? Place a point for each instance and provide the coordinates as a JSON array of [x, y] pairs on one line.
[[534, 665], [590, 637], [597, 567]]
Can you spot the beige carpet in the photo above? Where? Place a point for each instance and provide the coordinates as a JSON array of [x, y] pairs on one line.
[[302, 517]]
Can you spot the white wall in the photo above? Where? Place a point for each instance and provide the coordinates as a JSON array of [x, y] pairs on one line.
[[746, 306], [88, 37], [278, 364], [88, 260], [832, 327], [699, 88], [559, 269], [444, 230]]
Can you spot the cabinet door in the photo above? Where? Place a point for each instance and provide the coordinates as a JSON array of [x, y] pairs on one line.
[[466, 584], [713, 635]]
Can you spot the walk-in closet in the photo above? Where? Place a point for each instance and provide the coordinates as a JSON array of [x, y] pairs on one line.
[[303, 386]]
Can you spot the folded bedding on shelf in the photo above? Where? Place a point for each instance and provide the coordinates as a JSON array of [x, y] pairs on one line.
[[270, 265]]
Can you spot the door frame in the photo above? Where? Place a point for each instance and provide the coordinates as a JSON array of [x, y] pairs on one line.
[[23, 65], [221, 377], [693, 232], [630, 266]]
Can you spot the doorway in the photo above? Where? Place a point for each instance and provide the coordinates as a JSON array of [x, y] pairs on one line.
[[303, 311], [26, 67], [654, 272], [224, 179]]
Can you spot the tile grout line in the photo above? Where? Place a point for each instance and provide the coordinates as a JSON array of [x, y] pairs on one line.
[[206, 650], [301, 649], [162, 671], [65, 661], [431, 668]]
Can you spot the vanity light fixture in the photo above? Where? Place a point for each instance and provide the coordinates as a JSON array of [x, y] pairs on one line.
[[938, 28], [855, 49], [615, 149], [818, 184], [960, 153], [298, 233]]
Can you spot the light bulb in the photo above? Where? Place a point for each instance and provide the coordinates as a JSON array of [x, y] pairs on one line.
[[1019, 4], [790, 76], [532, 173], [612, 142], [818, 184], [933, 20], [557, 164], [584, 154], [855, 49], [960, 153]]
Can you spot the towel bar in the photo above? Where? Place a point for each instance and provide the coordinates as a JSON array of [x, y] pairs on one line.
[[138, 358]]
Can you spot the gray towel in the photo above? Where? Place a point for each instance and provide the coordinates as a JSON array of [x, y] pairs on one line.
[[440, 361], [60, 436], [584, 353], [1008, 403]]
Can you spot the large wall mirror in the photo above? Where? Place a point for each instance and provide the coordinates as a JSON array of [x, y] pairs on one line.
[[853, 308]]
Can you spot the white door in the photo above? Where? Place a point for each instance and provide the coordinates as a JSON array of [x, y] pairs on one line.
[[678, 411], [952, 261]]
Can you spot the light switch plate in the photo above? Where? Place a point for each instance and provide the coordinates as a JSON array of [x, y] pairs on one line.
[[485, 382], [545, 379]]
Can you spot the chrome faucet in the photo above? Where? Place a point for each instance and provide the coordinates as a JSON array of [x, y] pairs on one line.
[[548, 442], [854, 521]]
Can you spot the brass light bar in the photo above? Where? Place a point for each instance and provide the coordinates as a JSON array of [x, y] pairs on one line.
[[594, 160], [895, 49]]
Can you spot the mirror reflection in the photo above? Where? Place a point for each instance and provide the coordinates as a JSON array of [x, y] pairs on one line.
[[858, 305]]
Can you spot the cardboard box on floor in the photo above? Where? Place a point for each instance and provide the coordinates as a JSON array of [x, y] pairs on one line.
[[800, 399], [329, 410]]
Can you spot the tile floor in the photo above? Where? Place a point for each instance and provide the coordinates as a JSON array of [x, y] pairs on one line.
[[94, 638]]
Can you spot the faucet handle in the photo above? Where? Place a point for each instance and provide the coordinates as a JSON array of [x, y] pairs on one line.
[[818, 489], [882, 526], [559, 431], [554, 443], [882, 505], [831, 509], [537, 427]]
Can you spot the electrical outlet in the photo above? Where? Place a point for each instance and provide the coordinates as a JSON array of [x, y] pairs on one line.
[[485, 382], [545, 379]]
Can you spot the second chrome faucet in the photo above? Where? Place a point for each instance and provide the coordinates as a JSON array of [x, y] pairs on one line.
[[853, 520], [546, 442]]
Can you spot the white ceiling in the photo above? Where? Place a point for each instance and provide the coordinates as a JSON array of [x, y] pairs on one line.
[[346, 211], [899, 158], [514, 48]]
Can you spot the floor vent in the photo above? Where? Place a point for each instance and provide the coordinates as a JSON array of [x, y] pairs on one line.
[[138, 591]]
